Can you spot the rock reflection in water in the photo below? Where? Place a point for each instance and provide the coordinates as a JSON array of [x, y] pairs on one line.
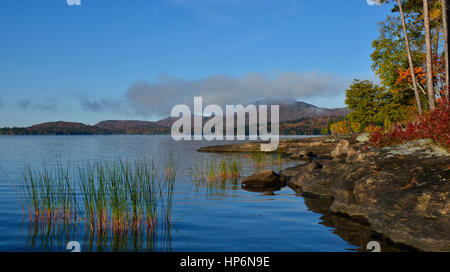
[[352, 230], [263, 191]]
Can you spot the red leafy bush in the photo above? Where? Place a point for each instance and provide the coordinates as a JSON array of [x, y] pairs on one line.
[[434, 125]]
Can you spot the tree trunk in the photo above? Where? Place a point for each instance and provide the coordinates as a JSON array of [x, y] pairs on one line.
[[411, 63], [436, 43], [445, 16], [430, 84]]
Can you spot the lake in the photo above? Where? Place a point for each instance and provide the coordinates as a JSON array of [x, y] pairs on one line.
[[207, 216]]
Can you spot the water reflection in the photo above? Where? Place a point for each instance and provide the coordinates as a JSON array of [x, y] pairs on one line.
[[45, 237], [217, 178], [263, 191], [48, 236], [202, 209], [352, 230]]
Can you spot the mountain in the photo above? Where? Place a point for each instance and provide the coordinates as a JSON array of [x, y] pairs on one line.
[[291, 110], [167, 122], [275, 101], [127, 124], [55, 128], [131, 127]]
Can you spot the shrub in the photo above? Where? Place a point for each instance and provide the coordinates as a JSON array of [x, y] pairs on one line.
[[372, 129], [434, 125]]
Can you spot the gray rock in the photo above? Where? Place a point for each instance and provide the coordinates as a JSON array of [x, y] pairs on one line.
[[405, 197]]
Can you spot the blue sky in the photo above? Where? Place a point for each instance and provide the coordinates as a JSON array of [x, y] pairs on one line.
[[123, 59]]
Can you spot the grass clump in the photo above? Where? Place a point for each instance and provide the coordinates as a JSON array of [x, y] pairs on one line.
[[217, 170], [262, 159]]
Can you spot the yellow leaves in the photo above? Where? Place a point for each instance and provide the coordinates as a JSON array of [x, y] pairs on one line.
[[343, 127], [436, 13], [372, 128], [387, 124], [356, 127]]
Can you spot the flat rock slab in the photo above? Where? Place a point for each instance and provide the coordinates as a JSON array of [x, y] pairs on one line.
[[265, 179], [299, 148], [232, 148], [402, 192]]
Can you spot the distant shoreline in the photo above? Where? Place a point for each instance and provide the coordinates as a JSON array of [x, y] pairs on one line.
[[302, 126], [169, 135]]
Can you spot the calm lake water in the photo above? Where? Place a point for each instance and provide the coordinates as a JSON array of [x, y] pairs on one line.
[[208, 218]]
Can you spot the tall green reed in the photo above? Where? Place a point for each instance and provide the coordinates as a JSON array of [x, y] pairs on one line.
[[114, 201], [217, 170]]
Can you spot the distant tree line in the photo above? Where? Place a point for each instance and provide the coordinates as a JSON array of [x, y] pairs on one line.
[[303, 126]]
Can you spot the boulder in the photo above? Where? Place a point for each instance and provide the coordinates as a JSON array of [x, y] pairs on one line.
[[265, 179], [341, 150], [363, 138], [349, 151]]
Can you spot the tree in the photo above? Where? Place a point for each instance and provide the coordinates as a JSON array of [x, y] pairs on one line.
[[410, 59], [390, 58], [445, 26], [390, 61], [372, 104], [389, 52], [429, 55]]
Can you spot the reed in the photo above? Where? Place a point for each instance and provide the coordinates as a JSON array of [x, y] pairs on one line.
[[114, 201], [49, 195], [262, 159], [259, 158], [280, 155], [217, 170]]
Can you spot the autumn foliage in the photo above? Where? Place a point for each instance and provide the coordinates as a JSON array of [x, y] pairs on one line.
[[341, 128], [434, 125], [404, 75]]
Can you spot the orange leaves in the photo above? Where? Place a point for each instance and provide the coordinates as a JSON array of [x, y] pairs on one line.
[[404, 75]]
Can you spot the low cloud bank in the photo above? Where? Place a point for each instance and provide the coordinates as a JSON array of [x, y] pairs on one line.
[[101, 105], [31, 104], [158, 97]]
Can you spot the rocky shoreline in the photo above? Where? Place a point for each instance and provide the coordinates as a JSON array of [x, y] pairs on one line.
[[400, 192]]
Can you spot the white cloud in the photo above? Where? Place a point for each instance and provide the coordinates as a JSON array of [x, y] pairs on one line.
[[373, 2]]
